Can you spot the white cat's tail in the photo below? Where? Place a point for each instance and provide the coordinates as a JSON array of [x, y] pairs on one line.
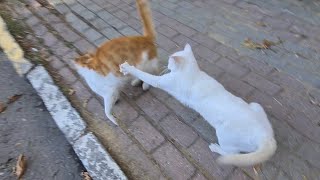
[[264, 152]]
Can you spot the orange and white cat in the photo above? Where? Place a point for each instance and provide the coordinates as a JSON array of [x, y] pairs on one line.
[[101, 69]]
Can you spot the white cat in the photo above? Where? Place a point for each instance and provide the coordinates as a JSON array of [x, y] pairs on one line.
[[240, 127]]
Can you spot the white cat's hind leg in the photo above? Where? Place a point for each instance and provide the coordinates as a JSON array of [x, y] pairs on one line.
[[110, 98]]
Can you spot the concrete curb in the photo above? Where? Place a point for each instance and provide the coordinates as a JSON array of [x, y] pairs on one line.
[[90, 151]]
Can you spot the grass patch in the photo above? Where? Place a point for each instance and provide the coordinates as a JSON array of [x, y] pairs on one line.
[[15, 28], [19, 31]]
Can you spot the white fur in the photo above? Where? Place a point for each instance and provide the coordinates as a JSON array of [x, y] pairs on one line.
[[108, 86], [240, 127]]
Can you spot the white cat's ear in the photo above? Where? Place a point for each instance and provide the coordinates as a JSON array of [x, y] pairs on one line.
[[177, 59], [187, 48]]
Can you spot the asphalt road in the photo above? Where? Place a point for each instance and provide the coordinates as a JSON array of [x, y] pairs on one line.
[[27, 127]]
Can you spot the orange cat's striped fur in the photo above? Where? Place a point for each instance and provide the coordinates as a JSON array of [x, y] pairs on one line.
[[101, 69]]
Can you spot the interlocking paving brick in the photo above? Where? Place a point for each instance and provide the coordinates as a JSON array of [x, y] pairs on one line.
[[32, 21], [100, 41], [84, 46], [62, 8], [92, 35], [231, 67], [282, 176], [158, 93], [67, 75], [55, 62], [198, 176], [304, 125], [24, 12], [293, 166], [188, 115], [236, 86], [226, 51], [309, 151], [206, 53], [110, 33], [182, 40], [256, 66], [95, 108], [271, 105], [39, 30], [116, 23], [152, 107], [206, 41], [87, 15], [42, 12], [60, 49], [285, 134], [300, 102], [99, 23], [166, 30], [209, 68], [127, 116], [205, 129], [166, 43], [178, 130], [105, 15], [76, 23], [51, 18], [239, 175], [200, 152], [65, 32], [276, 23], [128, 31], [49, 39], [78, 8], [146, 134], [173, 163], [262, 84], [93, 7], [69, 58], [81, 92]]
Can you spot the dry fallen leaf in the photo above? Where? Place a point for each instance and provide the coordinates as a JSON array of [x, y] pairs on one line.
[[21, 166], [86, 176], [71, 91], [262, 24], [257, 169], [13, 98], [3, 107], [85, 103], [266, 44]]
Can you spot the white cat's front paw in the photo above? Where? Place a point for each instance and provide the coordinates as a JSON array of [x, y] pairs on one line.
[[125, 68]]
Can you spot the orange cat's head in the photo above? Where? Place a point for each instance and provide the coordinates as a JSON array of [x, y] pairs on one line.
[[84, 60]]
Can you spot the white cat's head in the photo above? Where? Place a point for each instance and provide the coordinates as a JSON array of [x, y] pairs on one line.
[[181, 59]]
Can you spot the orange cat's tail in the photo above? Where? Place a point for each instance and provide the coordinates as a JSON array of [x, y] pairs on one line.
[[146, 17]]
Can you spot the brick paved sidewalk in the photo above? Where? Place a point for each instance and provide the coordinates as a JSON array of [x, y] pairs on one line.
[[158, 138]]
